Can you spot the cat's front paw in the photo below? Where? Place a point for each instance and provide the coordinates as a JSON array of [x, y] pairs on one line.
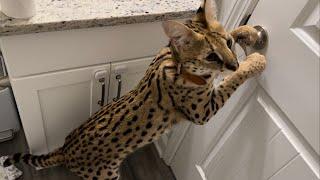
[[245, 35], [254, 64]]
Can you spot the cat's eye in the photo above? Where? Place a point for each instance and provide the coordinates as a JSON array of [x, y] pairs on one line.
[[229, 43], [213, 57]]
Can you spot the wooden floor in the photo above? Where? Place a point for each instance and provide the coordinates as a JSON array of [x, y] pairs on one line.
[[144, 164]]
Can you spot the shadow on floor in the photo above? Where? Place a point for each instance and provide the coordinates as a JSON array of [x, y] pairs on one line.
[[144, 164]]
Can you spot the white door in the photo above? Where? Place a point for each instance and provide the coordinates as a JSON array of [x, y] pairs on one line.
[[52, 105], [273, 134]]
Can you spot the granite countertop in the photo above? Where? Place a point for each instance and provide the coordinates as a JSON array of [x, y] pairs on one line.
[[57, 15]]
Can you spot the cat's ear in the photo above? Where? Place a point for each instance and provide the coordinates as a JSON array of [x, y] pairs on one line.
[[207, 14], [179, 34], [200, 15], [210, 9]]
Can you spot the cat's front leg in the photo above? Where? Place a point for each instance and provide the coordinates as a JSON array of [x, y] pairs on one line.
[[252, 66], [245, 35]]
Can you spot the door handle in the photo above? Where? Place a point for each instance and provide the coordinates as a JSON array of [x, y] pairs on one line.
[[263, 38], [118, 78], [261, 42]]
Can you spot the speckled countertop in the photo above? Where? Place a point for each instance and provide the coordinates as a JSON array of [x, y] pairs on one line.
[[57, 15]]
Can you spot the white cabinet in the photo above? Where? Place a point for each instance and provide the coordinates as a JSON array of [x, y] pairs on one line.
[[52, 105], [53, 74]]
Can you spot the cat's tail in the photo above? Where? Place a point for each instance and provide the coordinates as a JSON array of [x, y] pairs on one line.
[[54, 158]]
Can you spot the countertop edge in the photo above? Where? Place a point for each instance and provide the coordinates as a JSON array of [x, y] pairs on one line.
[[92, 23]]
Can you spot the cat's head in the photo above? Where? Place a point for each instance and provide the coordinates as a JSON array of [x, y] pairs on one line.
[[202, 45]]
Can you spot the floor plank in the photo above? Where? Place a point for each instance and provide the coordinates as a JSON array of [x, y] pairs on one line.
[[144, 164]]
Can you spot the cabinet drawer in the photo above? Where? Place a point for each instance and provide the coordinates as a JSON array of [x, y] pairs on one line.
[[52, 51]]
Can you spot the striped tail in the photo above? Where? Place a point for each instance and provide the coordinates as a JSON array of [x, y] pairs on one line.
[[54, 158]]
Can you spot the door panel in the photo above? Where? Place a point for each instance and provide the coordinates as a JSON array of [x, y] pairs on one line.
[[199, 141], [256, 146], [59, 120], [297, 169], [52, 105], [254, 142], [292, 74]]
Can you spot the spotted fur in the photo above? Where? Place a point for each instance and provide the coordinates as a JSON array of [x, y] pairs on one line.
[[177, 86]]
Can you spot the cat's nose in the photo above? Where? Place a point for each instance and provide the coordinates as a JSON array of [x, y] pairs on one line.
[[231, 62], [233, 65]]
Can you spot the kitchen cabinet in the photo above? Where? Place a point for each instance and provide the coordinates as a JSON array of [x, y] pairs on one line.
[[56, 76], [52, 105]]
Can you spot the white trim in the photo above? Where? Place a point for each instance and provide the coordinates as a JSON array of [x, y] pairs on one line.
[[307, 39], [159, 149], [174, 142], [201, 172], [168, 146], [309, 17], [241, 9], [162, 143]]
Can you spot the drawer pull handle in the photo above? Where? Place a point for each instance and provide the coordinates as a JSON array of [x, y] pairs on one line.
[[103, 91], [118, 77]]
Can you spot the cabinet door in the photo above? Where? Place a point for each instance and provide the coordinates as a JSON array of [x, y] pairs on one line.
[[52, 105]]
